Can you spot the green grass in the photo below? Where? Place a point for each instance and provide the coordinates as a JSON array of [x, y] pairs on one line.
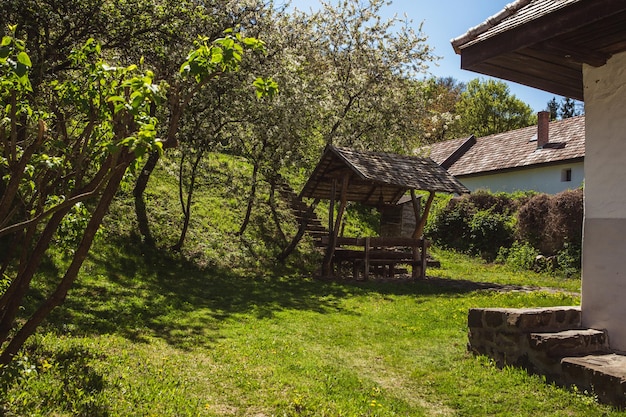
[[221, 330], [459, 266], [144, 334]]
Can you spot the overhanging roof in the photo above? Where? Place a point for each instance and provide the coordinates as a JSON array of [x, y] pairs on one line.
[[544, 43], [377, 178]]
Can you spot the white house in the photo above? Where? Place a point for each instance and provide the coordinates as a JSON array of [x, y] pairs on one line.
[[577, 49], [547, 158]]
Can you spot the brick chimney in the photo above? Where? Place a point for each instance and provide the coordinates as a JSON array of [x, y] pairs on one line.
[[543, 128]]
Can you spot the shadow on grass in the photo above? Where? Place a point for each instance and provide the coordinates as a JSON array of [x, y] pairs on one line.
[[137, 293]]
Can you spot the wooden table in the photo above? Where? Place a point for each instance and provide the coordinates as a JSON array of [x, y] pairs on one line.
[[380, 255]]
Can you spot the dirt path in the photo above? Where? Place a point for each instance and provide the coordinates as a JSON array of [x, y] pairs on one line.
[[465, 285]]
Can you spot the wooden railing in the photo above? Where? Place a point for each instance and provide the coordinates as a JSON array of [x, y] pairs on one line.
[[380, 255]]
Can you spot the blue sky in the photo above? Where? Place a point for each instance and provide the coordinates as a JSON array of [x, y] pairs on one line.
[[444, 20]]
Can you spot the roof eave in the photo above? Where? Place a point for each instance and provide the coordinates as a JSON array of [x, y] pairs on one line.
[[537, 53]]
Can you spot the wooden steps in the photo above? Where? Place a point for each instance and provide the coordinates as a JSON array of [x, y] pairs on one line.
[[302, 212]]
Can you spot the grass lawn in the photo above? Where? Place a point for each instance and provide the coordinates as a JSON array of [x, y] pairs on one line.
[[143, 335]]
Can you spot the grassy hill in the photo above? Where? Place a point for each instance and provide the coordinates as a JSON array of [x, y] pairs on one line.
[[221, 330]]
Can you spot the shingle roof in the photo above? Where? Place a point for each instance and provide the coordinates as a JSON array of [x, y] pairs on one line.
[[515, 149], [377, 177]]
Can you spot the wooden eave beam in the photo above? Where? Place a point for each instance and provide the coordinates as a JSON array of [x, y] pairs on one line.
[[575, 53], [398, 195], [572, 89], [553, 25]]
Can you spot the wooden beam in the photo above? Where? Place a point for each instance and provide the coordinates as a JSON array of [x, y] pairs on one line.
[[331, 207], [560, 22], [572, 89], [415, 200], [575, 53], [327, 266], [419, 228]]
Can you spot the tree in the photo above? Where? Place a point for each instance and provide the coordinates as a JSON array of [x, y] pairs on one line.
[[70, 151], [565, 109], [364, 69], [568, 108], [553, 108], [487, 107], [74, 145], [181, 94], [441, 121]]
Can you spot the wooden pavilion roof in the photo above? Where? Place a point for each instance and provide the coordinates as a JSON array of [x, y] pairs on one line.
[[544, 43], [377, 178]]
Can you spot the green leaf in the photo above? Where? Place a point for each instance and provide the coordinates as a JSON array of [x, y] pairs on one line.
[[20, 69], [6, 41], [4, 52], [24, 59]]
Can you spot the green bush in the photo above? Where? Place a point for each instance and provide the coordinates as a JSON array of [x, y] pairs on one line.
[[450, 227], [477, 224], [489, 231], [569, 259], [514, 228], [520, 256]]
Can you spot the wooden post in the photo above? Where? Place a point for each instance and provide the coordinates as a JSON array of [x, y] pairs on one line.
[[416, 203], [331, 207], [327, 266], [366, 261], [419, 227]]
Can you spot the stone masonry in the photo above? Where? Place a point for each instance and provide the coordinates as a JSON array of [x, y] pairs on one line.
[[535, 339]]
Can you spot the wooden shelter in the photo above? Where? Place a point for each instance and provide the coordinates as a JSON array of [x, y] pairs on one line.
[[375, 179]]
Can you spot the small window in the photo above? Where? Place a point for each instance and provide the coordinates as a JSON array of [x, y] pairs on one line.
[[566, 175]]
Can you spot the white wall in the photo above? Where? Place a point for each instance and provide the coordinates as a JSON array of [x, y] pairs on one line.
[[604, 241], [543, 179]]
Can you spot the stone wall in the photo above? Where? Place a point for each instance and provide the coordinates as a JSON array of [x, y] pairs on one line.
[[535, 339]]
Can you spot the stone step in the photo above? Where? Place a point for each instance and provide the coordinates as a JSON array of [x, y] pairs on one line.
[[569, 342], [525, 320], [602, 374]]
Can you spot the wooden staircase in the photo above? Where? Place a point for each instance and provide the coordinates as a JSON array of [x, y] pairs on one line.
[[305, 215], [551, 342]]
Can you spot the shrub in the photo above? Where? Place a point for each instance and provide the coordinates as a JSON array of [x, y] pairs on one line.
[[519, 256], [489, 232], [569, 259], [499, 203], [566, 219], [483, 223], [549, 222], [450, 227], [477, 224], [532, 219]]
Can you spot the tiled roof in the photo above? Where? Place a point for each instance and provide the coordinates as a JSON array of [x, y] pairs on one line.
[[515, 149], [513, 15]]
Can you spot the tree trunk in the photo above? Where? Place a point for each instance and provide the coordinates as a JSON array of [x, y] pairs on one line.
[[140, 204], [186, 207], [57, 297], [11, 300], [272, 203], [296, 239], [251, 198]]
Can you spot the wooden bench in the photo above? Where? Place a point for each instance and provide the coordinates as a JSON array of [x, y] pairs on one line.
[[380, 255]]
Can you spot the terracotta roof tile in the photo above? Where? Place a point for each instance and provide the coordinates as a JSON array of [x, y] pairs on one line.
[[515, 149], [514, 14]]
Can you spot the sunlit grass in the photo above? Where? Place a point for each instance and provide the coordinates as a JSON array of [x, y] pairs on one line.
[[459, 266], [145, 335]]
